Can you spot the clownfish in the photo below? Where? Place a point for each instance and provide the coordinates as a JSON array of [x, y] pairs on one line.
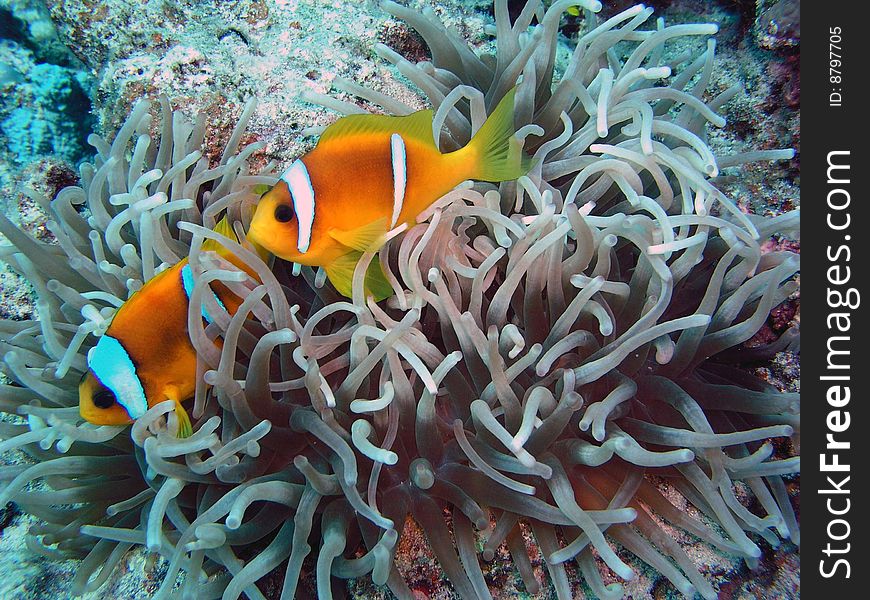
[[145, 355], [367, 175]]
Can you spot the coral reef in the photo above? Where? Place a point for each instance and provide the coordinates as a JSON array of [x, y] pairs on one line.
[[28, 24], [44, 110], [51, 122], [211, 56], [562, 366]]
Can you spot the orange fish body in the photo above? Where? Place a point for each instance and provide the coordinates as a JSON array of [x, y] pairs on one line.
[[145, 356], [367, 175]]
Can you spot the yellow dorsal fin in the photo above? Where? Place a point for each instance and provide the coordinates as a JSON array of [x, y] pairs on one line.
[[363, 239], [261, 188], [416, 126], [224, 228], [340, 273]]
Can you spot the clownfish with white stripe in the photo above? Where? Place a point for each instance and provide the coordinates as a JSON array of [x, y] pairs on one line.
[[367, 175], [145, 356]]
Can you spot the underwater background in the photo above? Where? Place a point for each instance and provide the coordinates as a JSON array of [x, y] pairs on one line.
[[72, 67]]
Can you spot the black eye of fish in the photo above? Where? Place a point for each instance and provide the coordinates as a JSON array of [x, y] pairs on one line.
[[283, 213], [104, 399]]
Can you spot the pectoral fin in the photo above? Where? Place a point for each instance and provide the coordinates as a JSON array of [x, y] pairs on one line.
[[340, 273], [366, 238], [185, 429]]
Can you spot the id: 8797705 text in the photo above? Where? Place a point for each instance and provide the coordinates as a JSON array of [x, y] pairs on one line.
[[835, 66]]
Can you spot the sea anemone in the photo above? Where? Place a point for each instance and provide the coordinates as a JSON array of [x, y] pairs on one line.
[[557, 350]]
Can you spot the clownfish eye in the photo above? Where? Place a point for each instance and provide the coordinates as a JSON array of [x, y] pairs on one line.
[[283, 213], [104, 399]]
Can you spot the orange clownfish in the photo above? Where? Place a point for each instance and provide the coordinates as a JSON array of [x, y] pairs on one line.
[[367, 175], [145, 356]]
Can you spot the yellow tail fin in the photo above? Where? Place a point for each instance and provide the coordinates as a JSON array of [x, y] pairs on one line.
[[498, 156]]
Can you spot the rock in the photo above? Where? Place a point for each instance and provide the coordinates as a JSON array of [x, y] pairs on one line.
[[778, 25]]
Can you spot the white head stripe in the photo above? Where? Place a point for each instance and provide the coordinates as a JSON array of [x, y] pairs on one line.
[[111, 364], [400, 175], [297, 179]]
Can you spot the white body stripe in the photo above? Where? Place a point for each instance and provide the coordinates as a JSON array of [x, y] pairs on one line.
[[400, 175], [112, 365], [187, 283], [297, 179]]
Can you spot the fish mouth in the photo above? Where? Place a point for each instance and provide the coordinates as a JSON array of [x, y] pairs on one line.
[[274, 239], [255, 235], [258, 235], [89, 413], [259, 220]]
